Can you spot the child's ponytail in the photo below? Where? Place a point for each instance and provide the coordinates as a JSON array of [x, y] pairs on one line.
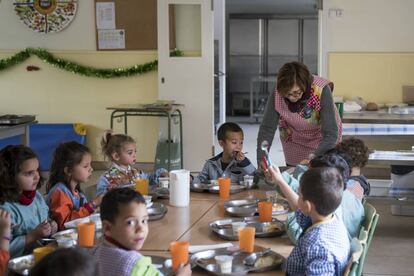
[[113, 143]]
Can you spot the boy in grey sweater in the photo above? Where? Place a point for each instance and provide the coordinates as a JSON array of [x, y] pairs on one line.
[[231, 162]]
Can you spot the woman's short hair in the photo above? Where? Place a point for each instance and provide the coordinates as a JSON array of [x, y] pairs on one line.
[[293, 73]]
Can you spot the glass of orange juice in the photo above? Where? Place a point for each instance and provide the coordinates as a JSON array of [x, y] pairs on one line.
[[179, 252], [265, 211], [40, 252], [141, 186], [246, 239], [224, 187], [86, 234]]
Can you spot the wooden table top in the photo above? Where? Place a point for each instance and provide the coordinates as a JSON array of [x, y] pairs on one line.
[[191, 223]]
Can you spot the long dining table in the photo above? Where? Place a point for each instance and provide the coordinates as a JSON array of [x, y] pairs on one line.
[[191, 224]]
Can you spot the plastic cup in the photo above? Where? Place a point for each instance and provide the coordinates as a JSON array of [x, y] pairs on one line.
[[237, 226], [224, 187], [214, 182], [40, 252], [246, 239], [141, 186], [179, 252], [164, 182], [225, 263], [265, 211], [86, 234], [248, 180]]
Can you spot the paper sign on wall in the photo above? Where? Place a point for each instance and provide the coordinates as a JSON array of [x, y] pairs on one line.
[[105, 15], [111, 39]]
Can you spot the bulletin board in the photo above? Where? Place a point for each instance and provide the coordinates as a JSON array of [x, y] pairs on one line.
[[139, 20]]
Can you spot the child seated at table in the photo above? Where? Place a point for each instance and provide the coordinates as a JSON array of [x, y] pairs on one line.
[[231, 162], [19, 180], [5, 223], [324, 247], [121, 151], [359, 154], [66, 262], [351, 209], [125, 227], [71, 166]]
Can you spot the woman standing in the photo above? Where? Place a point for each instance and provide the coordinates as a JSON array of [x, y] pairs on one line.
[[303, 108]]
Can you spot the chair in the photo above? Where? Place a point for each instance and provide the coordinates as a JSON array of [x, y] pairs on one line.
[[357, 249], [370, 221], [367, 233]]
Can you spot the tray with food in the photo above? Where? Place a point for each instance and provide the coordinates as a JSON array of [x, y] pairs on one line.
[[227, 229], [247, 208], [21, 265], [163, 264], [231, 261], [241, 202], [162, 193], [200, 187], [157, 211]]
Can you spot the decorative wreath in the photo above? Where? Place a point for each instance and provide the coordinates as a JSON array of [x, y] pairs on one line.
[[46, 16]]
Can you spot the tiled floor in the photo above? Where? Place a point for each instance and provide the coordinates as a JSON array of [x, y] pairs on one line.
[[392, 249]]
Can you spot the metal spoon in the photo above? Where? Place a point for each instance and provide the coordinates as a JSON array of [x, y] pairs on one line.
[[251, 259], [265, 146]]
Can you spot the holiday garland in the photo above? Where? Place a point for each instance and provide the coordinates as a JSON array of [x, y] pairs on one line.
[[80, 69]]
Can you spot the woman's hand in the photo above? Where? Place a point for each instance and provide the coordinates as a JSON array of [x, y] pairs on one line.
[[184, 270]]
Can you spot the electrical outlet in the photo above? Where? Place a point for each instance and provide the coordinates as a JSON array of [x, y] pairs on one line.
[[336, 13]]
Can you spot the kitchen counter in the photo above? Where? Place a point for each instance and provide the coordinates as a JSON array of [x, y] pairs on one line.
[[400, 115]]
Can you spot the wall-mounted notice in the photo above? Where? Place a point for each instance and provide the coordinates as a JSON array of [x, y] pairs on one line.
[[105, 15], [111, 39]]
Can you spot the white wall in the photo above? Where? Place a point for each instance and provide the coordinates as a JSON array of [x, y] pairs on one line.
[[79, 35], [367, 26]]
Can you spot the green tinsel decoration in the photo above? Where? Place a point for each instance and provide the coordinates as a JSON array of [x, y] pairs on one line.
[[80, 69]]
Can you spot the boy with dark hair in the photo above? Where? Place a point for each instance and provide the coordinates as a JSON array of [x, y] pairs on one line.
[[231, 162], [324, 247], [66, 262], [359, 154], [351, 210], [125, 226]]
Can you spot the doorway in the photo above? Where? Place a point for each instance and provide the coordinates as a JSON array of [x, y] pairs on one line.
[[260, 38]]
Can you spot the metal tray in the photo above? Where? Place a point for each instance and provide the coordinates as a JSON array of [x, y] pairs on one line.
[[11, 119], [65, 234], [247, 208], [157, 211], [162, 193], [241, 202], [205, 260], [163, 264], [21, 265], [224, 230], [234, 188], [200, 187], [250, 211]]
